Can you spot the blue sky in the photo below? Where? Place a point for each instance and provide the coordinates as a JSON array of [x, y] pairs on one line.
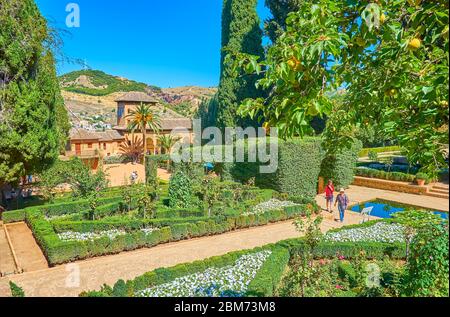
[[167, 43]]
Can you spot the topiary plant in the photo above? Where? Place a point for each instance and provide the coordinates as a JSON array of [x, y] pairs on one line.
[[180, 190]]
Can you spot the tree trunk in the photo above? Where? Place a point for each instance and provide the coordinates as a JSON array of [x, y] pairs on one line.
[[144, 134]]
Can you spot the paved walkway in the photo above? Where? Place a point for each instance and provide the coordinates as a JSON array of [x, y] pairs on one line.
[[7, 265], [92, 273], [359, 194], [119, 174], [28, 252]]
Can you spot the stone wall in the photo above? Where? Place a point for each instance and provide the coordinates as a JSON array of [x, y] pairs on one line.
[[390, 185]]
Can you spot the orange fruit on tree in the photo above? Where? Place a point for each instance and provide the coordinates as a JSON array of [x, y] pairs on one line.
[[414, 44], [294, 63]]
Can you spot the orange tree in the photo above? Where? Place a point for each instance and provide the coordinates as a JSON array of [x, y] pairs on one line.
[[386, 60]]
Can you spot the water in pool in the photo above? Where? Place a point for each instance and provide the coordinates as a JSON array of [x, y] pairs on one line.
[[385, 209]]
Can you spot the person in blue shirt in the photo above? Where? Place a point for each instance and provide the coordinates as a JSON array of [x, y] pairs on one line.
[[342, 202]]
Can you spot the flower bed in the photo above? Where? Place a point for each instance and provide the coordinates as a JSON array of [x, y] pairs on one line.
[[233, 274], [379, 232], [273, 204], [230, 280], [91, 236]]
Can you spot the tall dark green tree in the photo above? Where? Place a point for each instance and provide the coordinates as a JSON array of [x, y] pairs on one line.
[[33, 120], [241, 32], [276, 25]]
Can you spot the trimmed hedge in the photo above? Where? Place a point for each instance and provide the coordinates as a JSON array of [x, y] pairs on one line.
[[340, 167], [60, 209], [152, 162], [365, 152], [329, 250], [393, 176], [267, 278], [60, 252], [298, 168]]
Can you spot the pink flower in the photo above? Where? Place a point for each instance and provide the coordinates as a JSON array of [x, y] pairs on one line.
[[338, 287], [322, 262], [341, 258]]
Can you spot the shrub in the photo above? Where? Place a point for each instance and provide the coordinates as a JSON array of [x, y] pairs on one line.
[[151, 170], [373, 156], [60, 209], [118, 159], [13, 216], [120, 289], [180, 190], [365, 152], [269, 276], [428, 263], [305, 155], [340, 167], [373, 173], [16, 291]]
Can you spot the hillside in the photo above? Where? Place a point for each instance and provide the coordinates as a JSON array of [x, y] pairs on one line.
[[89, 93], [98, 83]]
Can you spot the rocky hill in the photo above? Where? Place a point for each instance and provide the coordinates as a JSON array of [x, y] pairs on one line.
[[92, 92]]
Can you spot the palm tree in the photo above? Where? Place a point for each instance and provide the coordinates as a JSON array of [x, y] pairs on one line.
[[132, 148], [141, 119], [167, 142]]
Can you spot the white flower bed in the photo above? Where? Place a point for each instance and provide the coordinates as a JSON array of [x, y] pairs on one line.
[[56, 217], [379, 232], [148, 231], [231, 280], [91, 236], [273, 204]]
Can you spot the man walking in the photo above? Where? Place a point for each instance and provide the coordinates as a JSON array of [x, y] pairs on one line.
[[342, 202]]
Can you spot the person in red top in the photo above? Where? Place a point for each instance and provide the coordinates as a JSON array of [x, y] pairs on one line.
[[329, 196]]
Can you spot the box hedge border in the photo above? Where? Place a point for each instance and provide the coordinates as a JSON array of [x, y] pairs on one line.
[[55, 210], [267, 278], [60, 252]]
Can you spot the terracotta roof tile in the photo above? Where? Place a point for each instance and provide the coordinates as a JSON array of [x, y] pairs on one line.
[[136, 96]]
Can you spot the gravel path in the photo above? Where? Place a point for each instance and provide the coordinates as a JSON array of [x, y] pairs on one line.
[[7, 265]]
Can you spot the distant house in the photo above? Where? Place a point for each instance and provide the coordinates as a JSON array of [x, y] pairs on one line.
[[171, 122], [91, 146]]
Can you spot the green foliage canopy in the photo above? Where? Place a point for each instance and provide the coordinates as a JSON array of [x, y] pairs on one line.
[[33, 120], [389, 60], [241, 32]]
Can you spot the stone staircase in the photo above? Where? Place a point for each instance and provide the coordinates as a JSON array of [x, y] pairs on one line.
[[438, 190]]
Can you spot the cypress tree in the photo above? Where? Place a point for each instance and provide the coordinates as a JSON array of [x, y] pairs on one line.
[[276, 25], [241, 32], [33, 120]]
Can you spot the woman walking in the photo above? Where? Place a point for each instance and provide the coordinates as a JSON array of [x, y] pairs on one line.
[[329, 195], [342, 202]]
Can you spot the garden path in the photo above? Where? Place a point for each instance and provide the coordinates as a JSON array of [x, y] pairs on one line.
[[119, 174], [28, 252], [7, 265]]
